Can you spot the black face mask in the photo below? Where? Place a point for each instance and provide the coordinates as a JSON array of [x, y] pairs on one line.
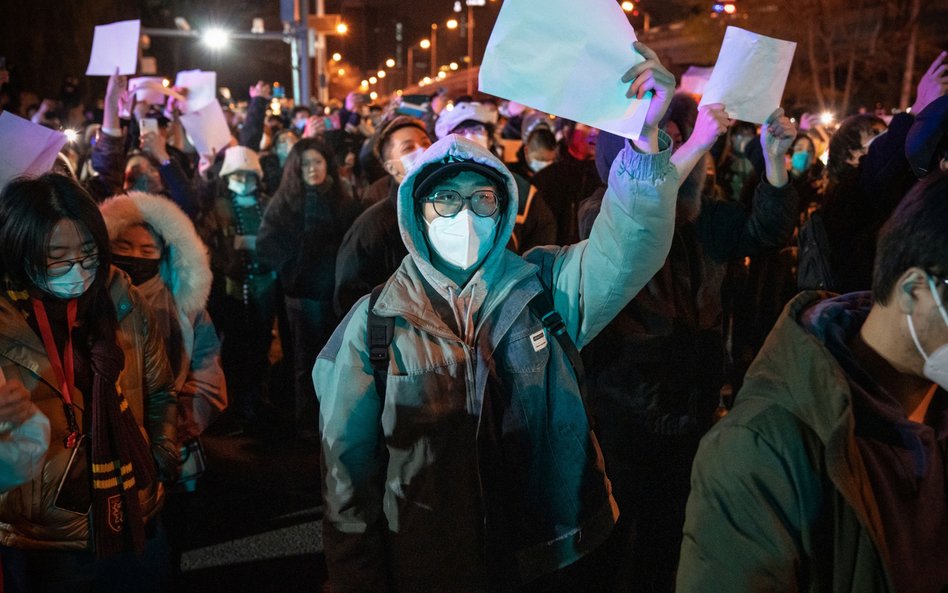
[[140, 269]]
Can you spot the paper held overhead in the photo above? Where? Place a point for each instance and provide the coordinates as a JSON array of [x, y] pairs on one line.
[[566, 61], [147, 89], [201, 85], [26, 148], [115, 46], [750, 75], [207, 128]]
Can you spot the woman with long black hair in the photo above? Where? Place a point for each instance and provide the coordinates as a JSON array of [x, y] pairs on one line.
[[300, 236], [82, 343]]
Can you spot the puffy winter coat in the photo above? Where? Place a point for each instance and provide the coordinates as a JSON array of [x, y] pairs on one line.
[[28, 518], [479, 464]]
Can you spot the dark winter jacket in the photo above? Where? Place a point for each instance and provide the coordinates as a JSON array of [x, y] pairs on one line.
[[300, 238], [670, 337], [369, 253], [233, 268], [563, 185], [780, 498], [857, 207]]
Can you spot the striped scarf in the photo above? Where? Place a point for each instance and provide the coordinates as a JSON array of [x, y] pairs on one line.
[[121, 460]]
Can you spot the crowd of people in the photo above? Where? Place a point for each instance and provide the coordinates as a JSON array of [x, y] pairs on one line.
[[535, 356]]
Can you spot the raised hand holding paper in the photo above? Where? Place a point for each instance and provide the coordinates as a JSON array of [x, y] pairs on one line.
[[26, 148], [201, 85], [115, 46], [207, 128], [750, 74], [567, 61], [147, 89]]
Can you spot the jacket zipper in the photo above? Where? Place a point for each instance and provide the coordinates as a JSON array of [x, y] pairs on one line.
[[471, 370]]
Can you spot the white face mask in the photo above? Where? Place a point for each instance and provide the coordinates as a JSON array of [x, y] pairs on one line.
[[537, 166], [409, 160], [936, 365], [463, 240], [72, 284]]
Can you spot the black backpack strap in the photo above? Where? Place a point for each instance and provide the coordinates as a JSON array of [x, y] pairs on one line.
[[542, 306], [381, 330]]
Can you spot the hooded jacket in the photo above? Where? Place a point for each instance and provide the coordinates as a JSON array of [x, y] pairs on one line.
[[177, 297], [28, 517], [479, 461], [780, 497]]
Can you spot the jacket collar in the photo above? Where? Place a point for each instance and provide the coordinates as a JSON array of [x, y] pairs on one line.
[[796, 371]]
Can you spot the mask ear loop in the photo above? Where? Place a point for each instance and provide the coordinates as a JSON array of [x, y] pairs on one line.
[[918, 344], [937, 297]]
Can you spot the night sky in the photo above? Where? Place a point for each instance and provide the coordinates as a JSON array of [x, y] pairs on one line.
[[45, 40]]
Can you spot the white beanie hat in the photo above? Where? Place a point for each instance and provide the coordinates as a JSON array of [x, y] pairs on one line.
[[241, 158], [462, 112]]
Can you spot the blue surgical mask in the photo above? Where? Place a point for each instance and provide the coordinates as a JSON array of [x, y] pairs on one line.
[[801, 161], [242, 188], [70, 285]]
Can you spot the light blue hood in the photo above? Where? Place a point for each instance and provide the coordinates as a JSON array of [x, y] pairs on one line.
[[452, 148]]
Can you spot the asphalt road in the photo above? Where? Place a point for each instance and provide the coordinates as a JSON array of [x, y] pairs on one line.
[[254, 522]]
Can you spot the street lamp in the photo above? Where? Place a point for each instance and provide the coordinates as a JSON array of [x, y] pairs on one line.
[[216, 38], [452, 24], [373, 80], [628, 6], [390, 63], [337, 57], [425, 44], [381, 74], [342, 28]]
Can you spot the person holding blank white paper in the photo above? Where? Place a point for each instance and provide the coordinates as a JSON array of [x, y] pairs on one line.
[[459, 457]]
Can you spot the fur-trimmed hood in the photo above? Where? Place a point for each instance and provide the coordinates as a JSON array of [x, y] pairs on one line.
[[185, 265]]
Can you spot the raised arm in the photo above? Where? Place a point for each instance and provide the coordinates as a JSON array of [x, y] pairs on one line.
[[252, 130], [594, 279]]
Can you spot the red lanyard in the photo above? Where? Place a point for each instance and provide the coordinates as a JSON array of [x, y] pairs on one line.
[[63, 368]]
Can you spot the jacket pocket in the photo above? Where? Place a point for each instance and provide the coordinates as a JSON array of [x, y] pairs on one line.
[[526, 351]]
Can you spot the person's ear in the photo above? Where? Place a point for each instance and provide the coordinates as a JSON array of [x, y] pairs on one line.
[[390, 168], [907, 288]]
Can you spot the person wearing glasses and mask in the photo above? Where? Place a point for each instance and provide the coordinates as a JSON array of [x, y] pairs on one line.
[[457, 451], [76, 336]]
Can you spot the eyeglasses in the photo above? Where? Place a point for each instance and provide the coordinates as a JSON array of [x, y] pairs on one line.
[[61, 268], [472, 129], [447, 202]]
